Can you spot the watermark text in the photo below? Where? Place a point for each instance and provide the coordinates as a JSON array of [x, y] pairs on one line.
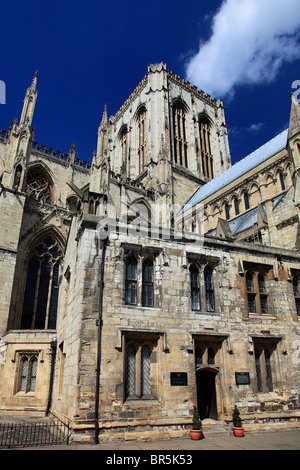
[[2, 92]]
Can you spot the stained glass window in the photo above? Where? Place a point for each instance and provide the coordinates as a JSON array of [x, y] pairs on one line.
[[41, 291]]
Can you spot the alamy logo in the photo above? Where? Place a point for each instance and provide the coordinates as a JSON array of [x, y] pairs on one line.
[[296, 84], [2, 92]]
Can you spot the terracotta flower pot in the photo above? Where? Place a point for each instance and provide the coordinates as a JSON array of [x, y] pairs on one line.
[[238, 432], [196, 434]]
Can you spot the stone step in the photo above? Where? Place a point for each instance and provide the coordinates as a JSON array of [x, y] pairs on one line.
[[213, 427]]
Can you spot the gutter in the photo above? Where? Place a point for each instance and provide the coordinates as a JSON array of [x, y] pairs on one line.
[[99, 324], [53, 355]]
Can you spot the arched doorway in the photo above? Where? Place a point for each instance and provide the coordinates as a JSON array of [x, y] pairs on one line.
[[206, 393]]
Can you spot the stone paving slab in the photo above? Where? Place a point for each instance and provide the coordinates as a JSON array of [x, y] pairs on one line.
[[270, 440], [284, 440]]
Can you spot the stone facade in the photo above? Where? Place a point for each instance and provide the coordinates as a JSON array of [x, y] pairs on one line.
[[129, 293]]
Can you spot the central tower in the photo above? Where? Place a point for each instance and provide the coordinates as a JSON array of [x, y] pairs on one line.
[[168, 135]]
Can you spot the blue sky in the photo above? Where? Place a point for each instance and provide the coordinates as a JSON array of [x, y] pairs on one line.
[[93, 53]]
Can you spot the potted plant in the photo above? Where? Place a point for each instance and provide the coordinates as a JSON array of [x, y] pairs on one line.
[[238, 429], [196, 431]]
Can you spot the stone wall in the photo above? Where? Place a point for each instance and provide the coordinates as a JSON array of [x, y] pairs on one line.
[[174, 330]]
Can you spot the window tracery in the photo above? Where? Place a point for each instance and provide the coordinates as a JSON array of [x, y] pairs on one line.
[[205, 144], [179, 134], [41, 290], [38, 186], [141, 124]]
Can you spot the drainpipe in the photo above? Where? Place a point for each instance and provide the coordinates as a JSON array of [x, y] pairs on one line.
[[99, 324], [53, 355]]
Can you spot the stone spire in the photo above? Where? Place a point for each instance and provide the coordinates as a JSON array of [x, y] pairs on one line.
[[72, 152], [104, 117], [29, 103], [102, 145]]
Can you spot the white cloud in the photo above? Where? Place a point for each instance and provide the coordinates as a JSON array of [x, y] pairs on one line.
[[250, 41], [255, 128]]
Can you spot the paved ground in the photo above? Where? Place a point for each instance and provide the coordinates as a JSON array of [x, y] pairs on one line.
[[273, 440], [284, 440]]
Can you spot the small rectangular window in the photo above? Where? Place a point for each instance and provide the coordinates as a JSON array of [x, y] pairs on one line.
[[131, 281]]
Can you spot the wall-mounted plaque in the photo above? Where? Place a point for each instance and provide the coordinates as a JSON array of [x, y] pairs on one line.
[[242, 378], [179, 378]]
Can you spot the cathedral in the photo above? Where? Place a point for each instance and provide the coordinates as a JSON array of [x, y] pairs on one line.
[[154, 278]]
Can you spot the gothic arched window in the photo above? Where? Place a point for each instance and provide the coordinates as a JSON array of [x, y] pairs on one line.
[[246, 201], [124, 143], [205, 146], [141, 124], [236, 206], [38, 186], [227, 211], [41, 291], [282, 183], [179, 134]]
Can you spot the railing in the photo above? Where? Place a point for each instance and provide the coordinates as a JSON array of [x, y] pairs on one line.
[[33, 434]]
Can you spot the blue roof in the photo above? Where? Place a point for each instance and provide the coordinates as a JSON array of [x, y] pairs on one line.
[[246, 220], [247, 163], [240, 223]]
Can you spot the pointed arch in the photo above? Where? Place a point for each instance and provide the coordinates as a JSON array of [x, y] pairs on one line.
[[226, 209], [40, 183], [40, 299], [281, 179], [246, 199], [180, 144], [236, 204], [140, 118], [142, 209], [205, 126]]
